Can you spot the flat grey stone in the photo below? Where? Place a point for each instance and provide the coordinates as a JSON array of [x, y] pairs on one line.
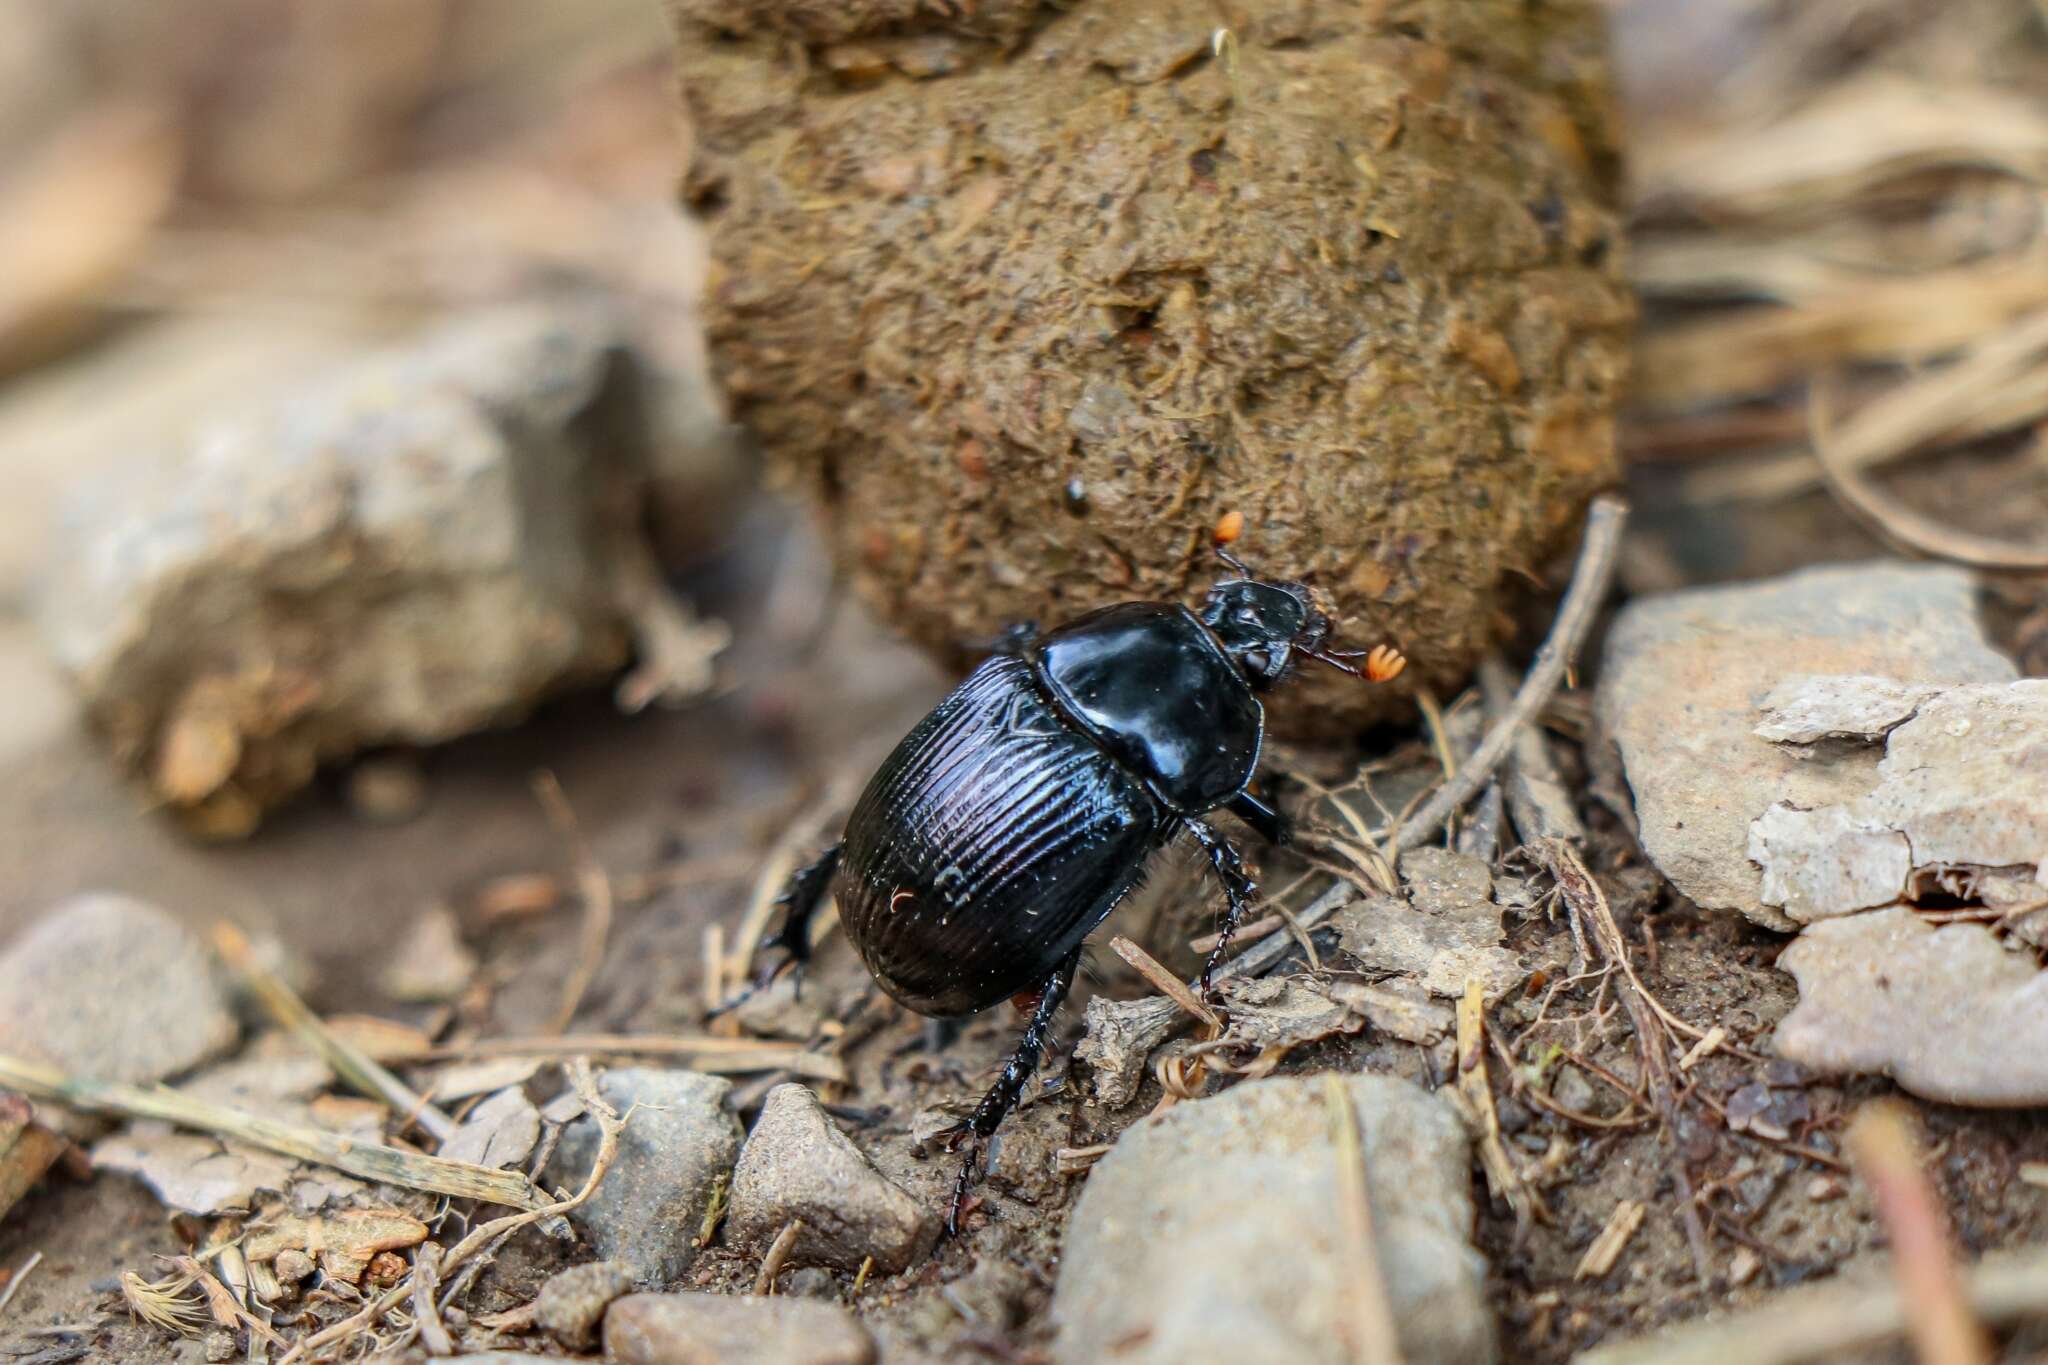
[[1686, 676], [1213, 1232]]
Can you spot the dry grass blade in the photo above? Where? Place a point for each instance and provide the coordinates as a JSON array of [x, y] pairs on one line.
[[1378, 1342], [222, 1302], [349, 1062], [368, 1161], [426, 1313], [164, 1303], [778, 1252], [1597, 554], [1938, 1317], [13, 1285], [1897, 522], [720, 1056], [1476, 1090], [595, 889]]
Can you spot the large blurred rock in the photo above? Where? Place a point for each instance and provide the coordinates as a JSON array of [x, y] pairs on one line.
[[1027, 326], [111, 988], [420, 545], [1214, 1232], [1686, 676]]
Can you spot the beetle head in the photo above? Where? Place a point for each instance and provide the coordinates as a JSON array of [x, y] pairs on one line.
[[1264, 623]]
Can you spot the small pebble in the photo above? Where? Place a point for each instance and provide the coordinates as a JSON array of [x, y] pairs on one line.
[[1824, 1189], [292, 1265], [219, 1345], [572, 1304], [1743, 1266], [386, 1268], [811, 1282]]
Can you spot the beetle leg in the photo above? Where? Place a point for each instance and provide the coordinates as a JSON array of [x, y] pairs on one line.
[[1002, 1097], [1267, 822], [1238, 888], [799, 901]]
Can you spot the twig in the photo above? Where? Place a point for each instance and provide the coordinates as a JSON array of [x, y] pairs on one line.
[[13, 1286], [721, 1056], [1597, 554], [1378, 1341], [356, 1068], [1894, 520], [1477, 1092], [1165, 982], [1938, 1318], [1647, 1016], [426, 1313], [1537, 798], [369, 1160], [592, 885], [1844, 1320], [778, 1252]]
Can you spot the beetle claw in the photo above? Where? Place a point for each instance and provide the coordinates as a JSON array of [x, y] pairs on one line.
[[969, 1169]]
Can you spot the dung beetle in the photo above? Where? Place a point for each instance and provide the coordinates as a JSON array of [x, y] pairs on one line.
[[1025, 807]]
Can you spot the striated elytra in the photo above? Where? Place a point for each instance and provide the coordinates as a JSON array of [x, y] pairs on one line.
[[1015, 817]]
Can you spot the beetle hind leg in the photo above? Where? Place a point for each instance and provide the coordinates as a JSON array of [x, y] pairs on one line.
[[1002, 1097], [799, 901], [1238, 889]]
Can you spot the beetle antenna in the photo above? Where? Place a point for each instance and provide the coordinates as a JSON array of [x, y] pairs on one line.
[[1382, 662], [1233, 561]]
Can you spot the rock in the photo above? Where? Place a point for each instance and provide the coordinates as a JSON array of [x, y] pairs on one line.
[[797, 1164], [1960, 807], [572, 1303], [677, 1144], [1949, 1013], [195, 1174], [1120, 1038], [431, 963], [1023, 383], [785, 1008], [420, 545], [1209, 1232], [1448, 931], [1684, 676], [715, 1329], [115, 989], [811, 1282], [499, 1132], [1807, 710]]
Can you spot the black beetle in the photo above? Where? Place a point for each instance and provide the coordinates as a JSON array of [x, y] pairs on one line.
[[1010, 822]]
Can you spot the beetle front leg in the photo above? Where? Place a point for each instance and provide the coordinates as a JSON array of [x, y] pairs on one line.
[[1002, 1097], [799, 901], [1238, 889]]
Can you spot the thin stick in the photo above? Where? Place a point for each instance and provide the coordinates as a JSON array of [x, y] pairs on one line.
[[592, 885], [1378, 1341], [1606, 1249], [1648, 1018], [1938, 1318], [721, 1056], [1165, 982], [778, 1252], [14, 1284], [368, 1160], [354, 1066], [1598, 552], [1477, 1092], [1250, 933]]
